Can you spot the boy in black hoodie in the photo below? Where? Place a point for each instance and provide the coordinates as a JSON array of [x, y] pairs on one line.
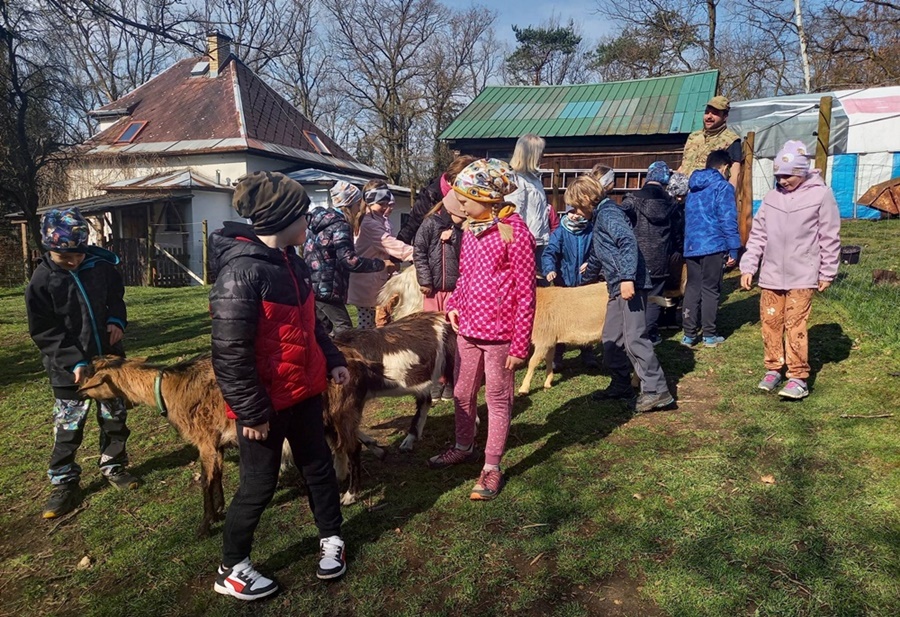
[[76, 311], [272, 359], [656, 229]]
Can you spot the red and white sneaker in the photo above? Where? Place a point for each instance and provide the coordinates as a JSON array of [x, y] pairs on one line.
[[332, 558], [243, 582]]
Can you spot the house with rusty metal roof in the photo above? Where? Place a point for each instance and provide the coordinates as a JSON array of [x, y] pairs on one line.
[[626, 125], [161, 168]]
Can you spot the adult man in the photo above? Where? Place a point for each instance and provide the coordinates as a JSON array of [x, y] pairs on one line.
[[715, 135]]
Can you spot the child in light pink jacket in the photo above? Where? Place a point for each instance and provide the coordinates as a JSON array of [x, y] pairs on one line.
[[374, 240], [492, 310], [796, 233]]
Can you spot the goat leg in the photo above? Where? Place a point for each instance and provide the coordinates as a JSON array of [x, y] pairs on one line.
[[417, 428], [529, 374], [548, 361], [208, 508], [370, 443], [354, 463]]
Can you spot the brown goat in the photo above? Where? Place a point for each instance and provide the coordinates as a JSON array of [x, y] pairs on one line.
[[197, 410], [570, 315]]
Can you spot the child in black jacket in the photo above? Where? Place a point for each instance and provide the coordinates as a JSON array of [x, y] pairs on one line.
[[272, 358], [76, 311]]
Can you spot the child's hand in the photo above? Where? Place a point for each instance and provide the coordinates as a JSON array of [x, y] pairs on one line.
[[426, 290], [729, 263], [823, 285], [115, 333], [446, 235], [551, 276], [453, 318], [389, 266], [626, 288], [583, 268], [512, 363], [746, 281], [340, 375], [80, 373], [257, 433]]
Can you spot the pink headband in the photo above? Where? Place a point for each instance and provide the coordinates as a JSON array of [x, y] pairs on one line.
[[445, 186]]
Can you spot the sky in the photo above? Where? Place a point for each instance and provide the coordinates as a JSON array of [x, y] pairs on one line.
[[533, 12]]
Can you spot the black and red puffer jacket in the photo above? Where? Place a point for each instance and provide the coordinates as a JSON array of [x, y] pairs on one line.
[[269, 351]]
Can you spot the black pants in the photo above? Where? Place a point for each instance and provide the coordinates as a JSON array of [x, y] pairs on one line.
[[334, 316], [302, 426], [701, 294], [653, 309], [625, 344], [70, 414]]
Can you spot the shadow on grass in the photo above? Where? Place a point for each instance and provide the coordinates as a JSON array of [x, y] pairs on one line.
[[743, 310], [579, 420], [171, 460], [828, 344]]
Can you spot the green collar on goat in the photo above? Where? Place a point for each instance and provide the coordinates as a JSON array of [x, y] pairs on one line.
[[157, 390]]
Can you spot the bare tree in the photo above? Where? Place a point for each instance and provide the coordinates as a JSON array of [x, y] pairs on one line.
[[33, 111], [382, 47]]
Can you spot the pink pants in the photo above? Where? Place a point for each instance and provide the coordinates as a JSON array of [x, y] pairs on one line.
[[477, 360], [436, 301]]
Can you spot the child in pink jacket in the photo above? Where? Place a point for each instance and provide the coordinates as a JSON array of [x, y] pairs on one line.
[[492, 310], [374, 240], [796, 233]]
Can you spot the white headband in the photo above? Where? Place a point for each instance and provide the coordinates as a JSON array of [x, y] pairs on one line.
[[608, 178]]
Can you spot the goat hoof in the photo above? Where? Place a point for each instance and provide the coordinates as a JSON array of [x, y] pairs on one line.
[[379, 453], [348, 499], [407, 444], [203, 531]]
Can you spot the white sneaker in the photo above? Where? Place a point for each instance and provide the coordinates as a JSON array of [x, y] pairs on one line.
[[242, 581], [332, 558]]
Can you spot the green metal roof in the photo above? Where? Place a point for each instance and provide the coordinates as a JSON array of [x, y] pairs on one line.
[[660, 105]]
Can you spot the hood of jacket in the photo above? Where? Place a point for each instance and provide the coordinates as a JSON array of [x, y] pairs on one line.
[[652, 202], [813, 182], [239, 240], [704, 178], [93, 254], [320, 218]]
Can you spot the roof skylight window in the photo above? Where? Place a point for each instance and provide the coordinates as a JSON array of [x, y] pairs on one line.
[[317, 143], [131, 131]]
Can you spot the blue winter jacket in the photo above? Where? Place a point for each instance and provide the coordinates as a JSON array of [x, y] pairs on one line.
[[565, 252], [614, 250], [710, 216]]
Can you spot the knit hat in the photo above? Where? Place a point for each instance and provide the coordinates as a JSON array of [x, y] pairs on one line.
[[271, 201], [678, 184], [659, 172], [452, 204], [344, 195], [486, 180], [792, 159], [64, 231]]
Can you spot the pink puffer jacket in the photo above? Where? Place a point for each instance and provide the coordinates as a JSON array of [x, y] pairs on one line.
[[495, 291], [797, 236]]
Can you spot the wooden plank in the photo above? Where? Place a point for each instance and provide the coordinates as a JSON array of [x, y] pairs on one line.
[[179, 264], [745, 186], [823, 136]]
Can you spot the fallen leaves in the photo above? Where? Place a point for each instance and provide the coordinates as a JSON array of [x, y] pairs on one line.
[[768, 479], [85, 563]]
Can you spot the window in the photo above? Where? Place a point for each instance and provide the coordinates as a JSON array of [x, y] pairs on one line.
[[131, 131], [317, 143]]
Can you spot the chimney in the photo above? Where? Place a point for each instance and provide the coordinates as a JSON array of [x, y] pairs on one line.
[[218, 48]]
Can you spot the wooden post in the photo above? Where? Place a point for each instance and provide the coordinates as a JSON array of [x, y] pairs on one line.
[[151, 240], [26, 258], [555, 184], [205, 231], [745, 185], [823, 136]]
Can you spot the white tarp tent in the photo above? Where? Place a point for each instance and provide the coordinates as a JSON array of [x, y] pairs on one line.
[[864, 145]]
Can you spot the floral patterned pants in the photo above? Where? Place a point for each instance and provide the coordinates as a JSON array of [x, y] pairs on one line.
[[784, 314]]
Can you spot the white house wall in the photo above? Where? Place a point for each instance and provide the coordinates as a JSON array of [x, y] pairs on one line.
[[215, 208]]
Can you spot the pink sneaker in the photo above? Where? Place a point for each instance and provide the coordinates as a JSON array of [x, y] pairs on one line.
[[488, 486], [452, 456]]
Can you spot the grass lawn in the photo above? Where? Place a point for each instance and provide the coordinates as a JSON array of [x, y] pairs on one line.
[[735, 503]]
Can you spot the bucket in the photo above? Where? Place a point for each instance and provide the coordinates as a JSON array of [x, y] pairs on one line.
[[850, 254]]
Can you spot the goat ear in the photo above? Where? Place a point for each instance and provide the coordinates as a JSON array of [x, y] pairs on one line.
[[92, 382]]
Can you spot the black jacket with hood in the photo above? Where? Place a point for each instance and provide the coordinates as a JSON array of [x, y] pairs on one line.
[[656, 225], [427, 199], [436, 261], [69, 310]]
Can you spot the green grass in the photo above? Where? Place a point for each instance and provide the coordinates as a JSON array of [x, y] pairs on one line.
[[662, 514]]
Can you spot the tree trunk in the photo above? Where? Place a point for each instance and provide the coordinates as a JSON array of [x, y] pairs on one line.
[[804, 56], [711, 24]]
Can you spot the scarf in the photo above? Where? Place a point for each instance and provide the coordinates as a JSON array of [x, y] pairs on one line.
[[576, 226], [714, 132], [490, 218]]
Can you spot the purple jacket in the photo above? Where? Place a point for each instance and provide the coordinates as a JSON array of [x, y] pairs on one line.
[[797, 235]]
